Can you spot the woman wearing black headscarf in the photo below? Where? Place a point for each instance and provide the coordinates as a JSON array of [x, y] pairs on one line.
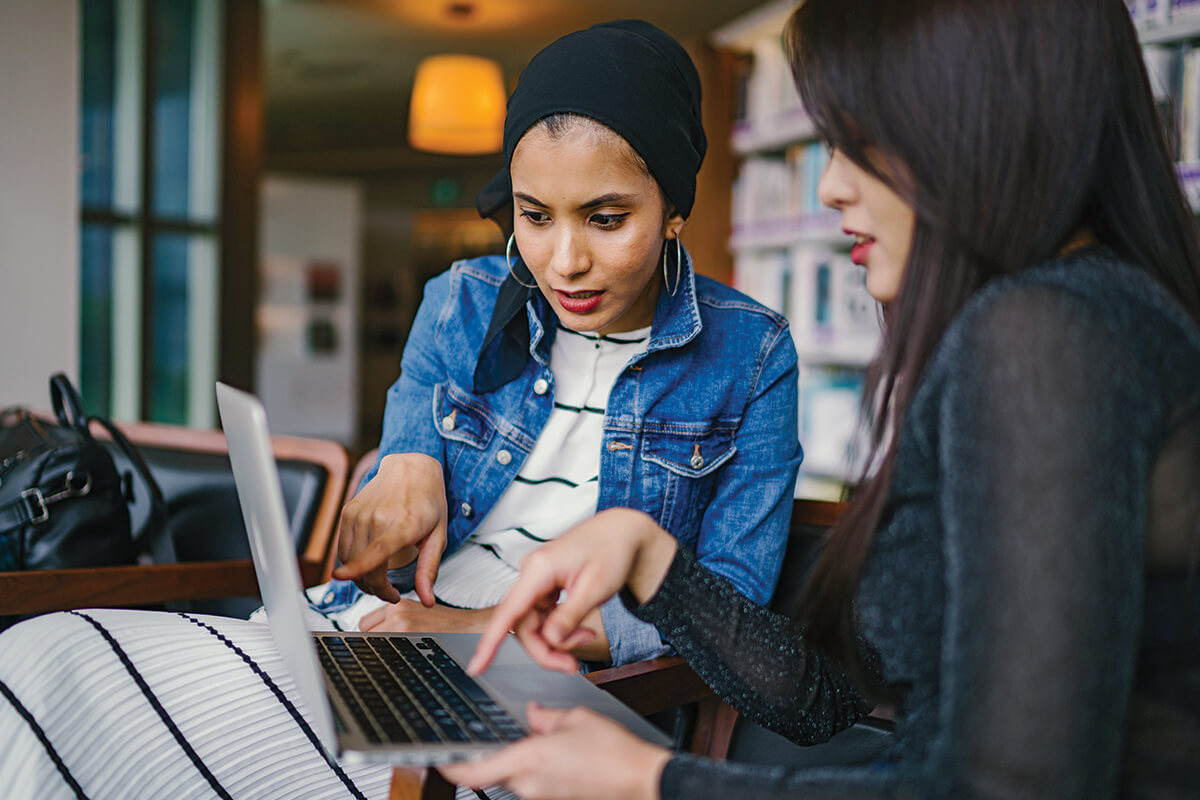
[[587, 367]]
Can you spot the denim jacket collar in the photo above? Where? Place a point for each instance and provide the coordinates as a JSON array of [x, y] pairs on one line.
[[676, 317], [509, 343]]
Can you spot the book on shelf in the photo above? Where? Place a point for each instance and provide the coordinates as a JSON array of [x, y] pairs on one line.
[[1153, 12], [768, 113], [833, 318], [770, 92], [1180, 9], [1174, 73], [1158, 13], [835, 324], [771, 187], [822, 294], [1161, 62], [764, 275], [1189, 105], [831, 431]]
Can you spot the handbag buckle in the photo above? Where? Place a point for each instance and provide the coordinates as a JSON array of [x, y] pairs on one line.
[[37, 504], [40, 503]]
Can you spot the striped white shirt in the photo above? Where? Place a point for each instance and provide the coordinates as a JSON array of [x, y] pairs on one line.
[[558, 484]]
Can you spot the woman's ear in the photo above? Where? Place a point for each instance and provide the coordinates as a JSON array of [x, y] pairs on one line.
[[674, 226]]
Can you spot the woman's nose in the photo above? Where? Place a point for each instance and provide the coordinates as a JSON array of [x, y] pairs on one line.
[[570, 256], [836, 188]]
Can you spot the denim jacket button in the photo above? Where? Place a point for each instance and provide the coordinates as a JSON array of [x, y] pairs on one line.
[[697, 461], [466, 510], [541, 386], [504, 457], [448, 423]]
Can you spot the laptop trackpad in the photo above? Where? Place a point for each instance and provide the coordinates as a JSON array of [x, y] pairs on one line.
[[519, 680]]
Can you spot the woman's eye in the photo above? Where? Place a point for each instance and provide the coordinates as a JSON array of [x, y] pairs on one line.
[[609, 220], [536, 217]]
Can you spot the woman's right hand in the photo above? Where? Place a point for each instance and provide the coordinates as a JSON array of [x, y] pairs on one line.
[[584, 567], [402, 506], [573, 754]]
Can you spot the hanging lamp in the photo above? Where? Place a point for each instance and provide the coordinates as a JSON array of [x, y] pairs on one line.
[[457, 105]]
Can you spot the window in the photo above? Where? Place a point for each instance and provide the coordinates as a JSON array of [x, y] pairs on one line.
[[151, 174]]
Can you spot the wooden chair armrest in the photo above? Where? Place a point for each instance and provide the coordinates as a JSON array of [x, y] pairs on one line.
[[652, 686], [39, 591], [649, 687], [419, 784]]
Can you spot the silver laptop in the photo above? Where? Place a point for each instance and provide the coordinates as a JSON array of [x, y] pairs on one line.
[[398, 698]]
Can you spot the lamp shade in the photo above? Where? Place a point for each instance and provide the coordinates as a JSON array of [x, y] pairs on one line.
[[457, 105]]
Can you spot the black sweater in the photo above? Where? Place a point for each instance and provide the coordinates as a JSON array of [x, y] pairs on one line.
[[1028, 594]]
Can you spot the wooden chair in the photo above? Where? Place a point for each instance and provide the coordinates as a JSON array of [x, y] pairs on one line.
[[649, 687], [193, 468]]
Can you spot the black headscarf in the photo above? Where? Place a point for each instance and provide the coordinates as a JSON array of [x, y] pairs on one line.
[[635, 79]]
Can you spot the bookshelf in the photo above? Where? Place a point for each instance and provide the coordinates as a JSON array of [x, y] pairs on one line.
[[790, 254], [1169, 31]]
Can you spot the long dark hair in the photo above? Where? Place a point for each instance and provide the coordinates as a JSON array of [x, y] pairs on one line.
[[1015, 123]]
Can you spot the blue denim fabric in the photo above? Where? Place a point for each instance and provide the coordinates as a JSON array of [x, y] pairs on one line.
[[700, 432]]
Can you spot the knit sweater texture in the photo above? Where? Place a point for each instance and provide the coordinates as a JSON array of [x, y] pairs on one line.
[[1029, 595]]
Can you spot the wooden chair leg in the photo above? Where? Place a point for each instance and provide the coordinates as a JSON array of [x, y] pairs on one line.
[[419, 784], [714, 729]]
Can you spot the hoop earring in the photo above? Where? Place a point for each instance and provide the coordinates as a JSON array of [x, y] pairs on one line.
[[678, 267], [508, 261]]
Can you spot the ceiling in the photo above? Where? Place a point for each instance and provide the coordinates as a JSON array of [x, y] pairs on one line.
[[339, 72]]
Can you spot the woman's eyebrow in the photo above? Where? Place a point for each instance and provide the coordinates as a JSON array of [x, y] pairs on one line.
[[602, 200], [528, 198]]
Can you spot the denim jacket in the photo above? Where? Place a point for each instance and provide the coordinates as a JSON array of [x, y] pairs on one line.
[[700, 431]]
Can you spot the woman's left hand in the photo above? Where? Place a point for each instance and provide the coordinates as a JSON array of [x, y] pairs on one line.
[[574, 754], [410, 616]]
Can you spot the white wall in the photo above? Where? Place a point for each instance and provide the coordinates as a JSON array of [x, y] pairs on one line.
[[39, 197], [309, 224]]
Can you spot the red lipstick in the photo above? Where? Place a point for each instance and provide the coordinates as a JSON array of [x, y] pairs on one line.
[[862, 246], [579, 302], [858, 253]]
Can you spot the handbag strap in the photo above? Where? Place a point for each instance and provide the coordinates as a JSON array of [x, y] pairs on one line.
[[68, 405], [158, 506], [33, 505], [29, 506]]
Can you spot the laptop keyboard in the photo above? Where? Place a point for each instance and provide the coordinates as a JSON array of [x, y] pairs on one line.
[[400, 690]]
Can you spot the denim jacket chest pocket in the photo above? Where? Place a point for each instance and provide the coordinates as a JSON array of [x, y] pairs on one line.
[[459, 419], [682, 461], [467, 430]]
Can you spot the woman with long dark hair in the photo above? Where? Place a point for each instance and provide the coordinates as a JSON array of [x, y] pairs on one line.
[[1017, 571]]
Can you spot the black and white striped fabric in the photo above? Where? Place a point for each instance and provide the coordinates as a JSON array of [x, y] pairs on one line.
[[558, 484], [140, 704]]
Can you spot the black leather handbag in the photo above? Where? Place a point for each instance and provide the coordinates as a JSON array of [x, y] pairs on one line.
[[63, 502]]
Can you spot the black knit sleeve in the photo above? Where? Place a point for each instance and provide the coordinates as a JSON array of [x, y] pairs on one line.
[[1045, 424], [753, 658]]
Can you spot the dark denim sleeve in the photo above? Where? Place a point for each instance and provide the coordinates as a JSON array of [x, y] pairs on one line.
[[629, 638], [743, 531], [408, 425]]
